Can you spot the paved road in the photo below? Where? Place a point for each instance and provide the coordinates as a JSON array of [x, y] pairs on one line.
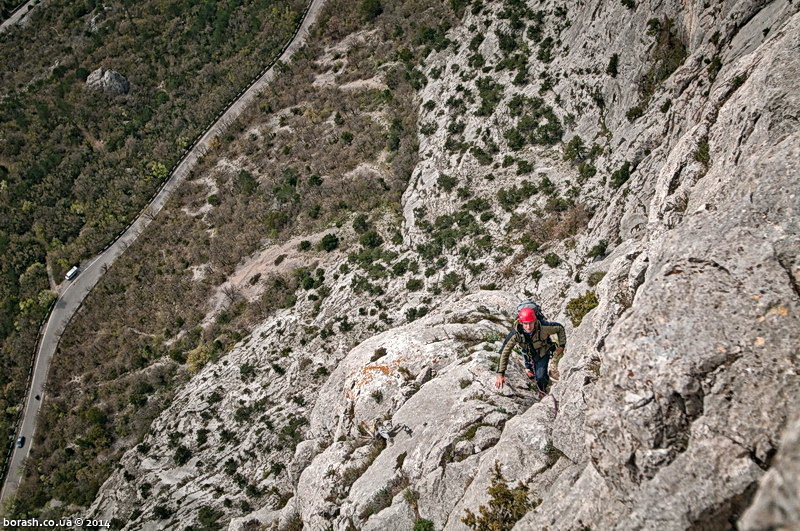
[[18, 15], [74, 292]]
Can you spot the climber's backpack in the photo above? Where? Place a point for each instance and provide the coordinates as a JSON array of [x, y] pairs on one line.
[[530, 303]]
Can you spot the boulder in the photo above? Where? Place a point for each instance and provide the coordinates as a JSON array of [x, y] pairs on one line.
[[109, 80]]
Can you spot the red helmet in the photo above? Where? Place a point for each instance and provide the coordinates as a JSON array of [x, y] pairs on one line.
[[526, 315]]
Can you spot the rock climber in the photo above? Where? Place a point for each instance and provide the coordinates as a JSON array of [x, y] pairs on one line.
[[532, 337]]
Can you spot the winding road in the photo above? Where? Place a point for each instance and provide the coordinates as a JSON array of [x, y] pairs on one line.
[[18, 14], [74, 292]]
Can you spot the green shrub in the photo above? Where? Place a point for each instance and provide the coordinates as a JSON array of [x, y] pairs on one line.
[[305, 245], [162, 512], [613, 63], [182, 455], [575, 150], [634, 113], [598, 250], [668, 54], [428, 128], [371, 239], [552, 259], [578, 307], [451, 281], [595, 278], [446, 182], [506, 506], [703, 153], [545, 53], [509, 199], [546, 186], [423, 525], [529, 243], [361, 224], [208, 518], [714, 67], [370, 9], [414, 284], [329, 242], [246, 371], [621, 176], [490, 93], [586, 170]]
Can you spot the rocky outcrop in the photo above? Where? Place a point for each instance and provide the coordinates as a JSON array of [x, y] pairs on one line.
[[109, 80], [676, 391], [777, 505]]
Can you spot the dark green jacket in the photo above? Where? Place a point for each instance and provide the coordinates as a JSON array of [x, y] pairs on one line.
[[535, 346]]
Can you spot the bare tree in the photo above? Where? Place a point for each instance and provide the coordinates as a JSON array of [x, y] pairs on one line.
[[231, 293]]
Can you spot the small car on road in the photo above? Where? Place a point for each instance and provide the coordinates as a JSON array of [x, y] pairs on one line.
[[72, 273], [21, 441]]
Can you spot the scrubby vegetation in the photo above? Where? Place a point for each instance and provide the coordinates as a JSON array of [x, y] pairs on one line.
[[302, 175], [77, 164], [309, 158], [578, 307], [505, 508], [668, 53]]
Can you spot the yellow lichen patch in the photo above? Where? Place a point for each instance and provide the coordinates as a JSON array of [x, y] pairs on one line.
[[367, 374], [783, 311], [383, 368], [759, 342]]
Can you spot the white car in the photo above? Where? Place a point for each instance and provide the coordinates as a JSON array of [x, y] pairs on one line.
[[72, 273]]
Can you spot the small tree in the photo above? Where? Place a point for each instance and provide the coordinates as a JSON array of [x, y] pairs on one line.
[[371, 9], [599, 249], [361, 224], [371, 239], [575, 150], [620, 177], [613, 63], [329, 242]]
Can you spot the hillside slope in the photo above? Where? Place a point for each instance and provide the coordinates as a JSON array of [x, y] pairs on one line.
[[676, 391]]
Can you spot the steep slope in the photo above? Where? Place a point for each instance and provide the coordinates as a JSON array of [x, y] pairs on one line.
[[676, 389]]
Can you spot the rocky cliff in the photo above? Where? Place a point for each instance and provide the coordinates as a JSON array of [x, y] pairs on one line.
[[650, 175]]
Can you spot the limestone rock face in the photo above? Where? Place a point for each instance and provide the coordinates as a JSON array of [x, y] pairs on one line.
[[675, 402], [108, 80], [777, 505]]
